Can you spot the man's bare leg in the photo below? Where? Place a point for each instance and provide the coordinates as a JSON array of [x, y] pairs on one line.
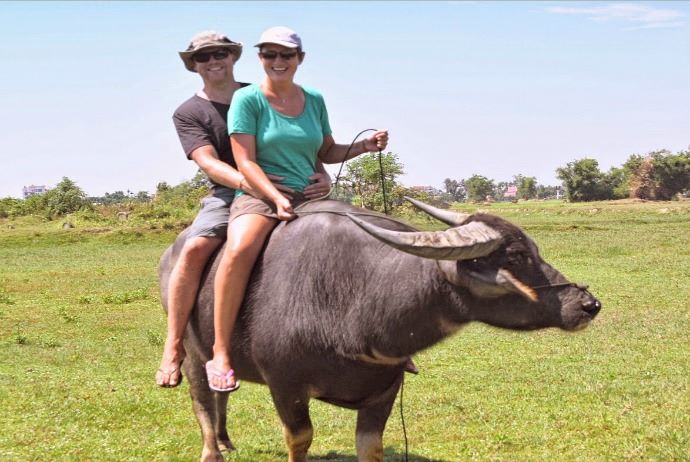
[[184, 284]]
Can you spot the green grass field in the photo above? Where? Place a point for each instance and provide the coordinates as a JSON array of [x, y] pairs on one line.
[[81, 331]]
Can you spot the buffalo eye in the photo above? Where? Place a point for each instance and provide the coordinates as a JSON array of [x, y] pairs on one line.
[[519, 258]]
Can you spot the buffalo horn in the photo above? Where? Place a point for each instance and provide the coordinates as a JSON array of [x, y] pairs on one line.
[[465, 242], [449, 218]]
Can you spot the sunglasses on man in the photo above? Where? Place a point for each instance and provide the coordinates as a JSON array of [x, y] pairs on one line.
[[271, 55], [205, 57]]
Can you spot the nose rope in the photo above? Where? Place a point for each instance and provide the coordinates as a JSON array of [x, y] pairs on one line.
[[342, 164], [563, 284], [382, 176], [583, 287]]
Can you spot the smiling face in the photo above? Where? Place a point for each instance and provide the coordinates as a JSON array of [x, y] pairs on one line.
[[280, 63], [214, 65]]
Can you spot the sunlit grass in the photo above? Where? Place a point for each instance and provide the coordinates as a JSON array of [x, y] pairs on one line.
[[81, 330]]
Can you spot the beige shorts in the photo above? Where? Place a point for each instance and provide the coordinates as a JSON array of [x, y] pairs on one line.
[[246, 204]]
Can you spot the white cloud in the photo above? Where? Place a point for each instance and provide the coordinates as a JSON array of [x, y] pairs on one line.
[[640, 16]]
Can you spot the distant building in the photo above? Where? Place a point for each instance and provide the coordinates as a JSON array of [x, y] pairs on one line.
[[29, 191], [427, 189], [511, 191]]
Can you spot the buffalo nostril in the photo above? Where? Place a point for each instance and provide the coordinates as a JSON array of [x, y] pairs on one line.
[[592, 306]]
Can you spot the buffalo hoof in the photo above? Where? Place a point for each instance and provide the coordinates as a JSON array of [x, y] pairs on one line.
[[225, 445], [209, 456]]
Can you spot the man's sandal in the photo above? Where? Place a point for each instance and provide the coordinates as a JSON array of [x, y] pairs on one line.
[[173, 375]]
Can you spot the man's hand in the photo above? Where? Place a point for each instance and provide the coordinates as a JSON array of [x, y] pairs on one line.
[[320, 186], [276, 180]]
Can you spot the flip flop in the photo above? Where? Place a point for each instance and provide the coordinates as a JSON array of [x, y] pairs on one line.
[[213, 372], [169, 373]]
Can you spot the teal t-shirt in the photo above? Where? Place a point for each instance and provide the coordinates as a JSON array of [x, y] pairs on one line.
[[285, 146]]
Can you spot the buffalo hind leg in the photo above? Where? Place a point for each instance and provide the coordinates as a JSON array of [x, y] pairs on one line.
[[293, 410], [204, 404], [371, 422]]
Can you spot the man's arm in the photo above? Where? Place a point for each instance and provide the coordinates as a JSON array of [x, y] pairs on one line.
[[220, 172], [223, 173]]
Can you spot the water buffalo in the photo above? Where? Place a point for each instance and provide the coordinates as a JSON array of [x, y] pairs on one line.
[[340, 298]]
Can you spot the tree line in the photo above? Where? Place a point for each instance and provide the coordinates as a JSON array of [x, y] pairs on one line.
[[659, 175]]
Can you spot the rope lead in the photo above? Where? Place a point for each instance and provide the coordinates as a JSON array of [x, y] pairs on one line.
[[342, 164]]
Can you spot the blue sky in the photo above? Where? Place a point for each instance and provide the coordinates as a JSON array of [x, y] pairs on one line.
[[489, 88]]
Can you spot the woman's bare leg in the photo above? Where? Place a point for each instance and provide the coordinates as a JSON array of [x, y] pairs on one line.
[[246, 237]]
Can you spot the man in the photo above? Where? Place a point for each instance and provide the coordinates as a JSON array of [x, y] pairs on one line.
[[201, 124]]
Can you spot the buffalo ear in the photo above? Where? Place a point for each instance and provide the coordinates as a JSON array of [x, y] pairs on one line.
[[486, 284]]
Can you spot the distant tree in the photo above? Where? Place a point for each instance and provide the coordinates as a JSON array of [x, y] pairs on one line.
[[547, 192], [455, 189], [10, 207], [363, 179], [185, 195], [500, 190], [427, 195], [671, 174], [583, 181], [660, 175], [615, 183], [526, 186], [200, 180], [479, 188], [162, 187], [631, 165], [142, 196], [66, 197], [117, 197]]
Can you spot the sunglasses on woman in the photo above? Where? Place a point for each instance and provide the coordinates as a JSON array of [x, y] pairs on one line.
[[205, 57], [271, 55]]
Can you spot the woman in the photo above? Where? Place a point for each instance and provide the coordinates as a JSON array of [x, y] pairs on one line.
[[279, 128]]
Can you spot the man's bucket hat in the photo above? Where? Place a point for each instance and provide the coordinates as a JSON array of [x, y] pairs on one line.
[[208, 39]]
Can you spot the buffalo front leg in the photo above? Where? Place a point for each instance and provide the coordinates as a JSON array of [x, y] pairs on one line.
[[204, 404], [221, 431], [293, 409], [371, 422]]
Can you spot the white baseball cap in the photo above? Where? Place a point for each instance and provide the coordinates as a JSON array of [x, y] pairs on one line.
[[280, 35]]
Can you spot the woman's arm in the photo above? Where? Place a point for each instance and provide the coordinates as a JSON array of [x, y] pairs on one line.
[[333, 153], [244, 150]]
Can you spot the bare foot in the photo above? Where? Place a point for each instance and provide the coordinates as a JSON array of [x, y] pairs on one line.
[[220, 375], [169, 374]]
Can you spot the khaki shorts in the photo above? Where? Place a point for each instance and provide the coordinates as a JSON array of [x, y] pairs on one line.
[[246, 204]]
